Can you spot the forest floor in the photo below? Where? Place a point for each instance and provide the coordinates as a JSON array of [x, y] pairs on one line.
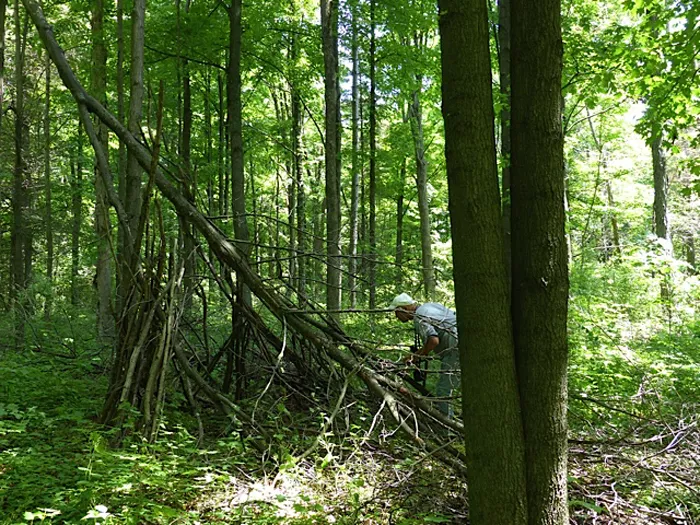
[[634, 453]]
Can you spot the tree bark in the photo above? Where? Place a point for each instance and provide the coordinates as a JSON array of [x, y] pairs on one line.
[[103, 279], [540, 276], [18, 236], [122, 156], [372, 262], [493, 432], [399, 225], [329, 24], [76, 184], [426, 240], [240, 224], [188, 177], [661, 220], [3, 11], [298, 171], [48, 218], [134, 171], [356, 167]]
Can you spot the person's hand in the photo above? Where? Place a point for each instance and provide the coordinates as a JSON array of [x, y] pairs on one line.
[[412, 359]]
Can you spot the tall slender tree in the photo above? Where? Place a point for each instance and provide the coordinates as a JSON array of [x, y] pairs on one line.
[[19, 232], [355, 184], [76, 183], [540, 276], [48, 216], [298, 166], [235, 126], [132, 182], [122, 157], [3, 11], [426, 239], [372, 157], [329, 28], [661, 220], [103, 278]]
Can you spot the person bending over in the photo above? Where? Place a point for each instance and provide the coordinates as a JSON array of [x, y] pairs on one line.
[[436, 328]]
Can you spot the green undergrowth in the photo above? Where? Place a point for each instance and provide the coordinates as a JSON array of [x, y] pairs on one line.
[[634, 382], [57, 465], [634, 407]]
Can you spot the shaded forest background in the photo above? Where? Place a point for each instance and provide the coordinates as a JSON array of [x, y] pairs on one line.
[[146, 375]]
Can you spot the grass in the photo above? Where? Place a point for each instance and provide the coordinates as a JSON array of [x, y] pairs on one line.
[[634, 454]]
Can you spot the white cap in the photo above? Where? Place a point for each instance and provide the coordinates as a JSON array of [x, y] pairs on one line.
[[401, 300]]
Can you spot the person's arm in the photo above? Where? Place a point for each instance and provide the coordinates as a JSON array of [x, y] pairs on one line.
[[429, 345]]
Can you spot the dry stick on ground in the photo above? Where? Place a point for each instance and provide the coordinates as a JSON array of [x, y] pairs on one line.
[[225, 251]]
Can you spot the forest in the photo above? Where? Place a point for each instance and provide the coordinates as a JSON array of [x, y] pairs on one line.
[[226, 227]]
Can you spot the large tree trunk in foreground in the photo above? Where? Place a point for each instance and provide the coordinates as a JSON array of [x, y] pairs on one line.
[[540, 277], [329, 23], [493, 432]]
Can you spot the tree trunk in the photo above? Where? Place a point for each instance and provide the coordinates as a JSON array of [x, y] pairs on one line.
[[19, 193], [132, 183], [329, 23], [240, 224], [372, 163], [221, 142], [122, 158], [504, 76], [209, 139], [400, 212], [661, 220], [189, 182], [540, 278], [355, 191], [298, 172], [103, 278], [76, 215], [3, 11], [48, 218], [426, 241], [494, 439]]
